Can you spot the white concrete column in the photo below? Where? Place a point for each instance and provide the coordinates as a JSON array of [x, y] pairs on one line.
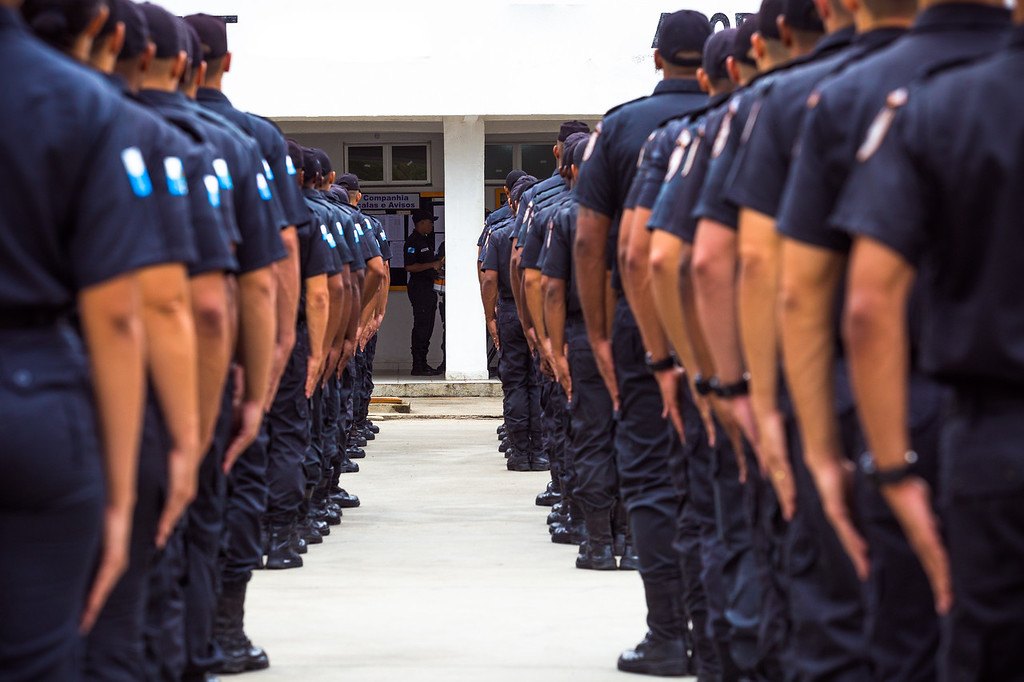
[[463, 218]]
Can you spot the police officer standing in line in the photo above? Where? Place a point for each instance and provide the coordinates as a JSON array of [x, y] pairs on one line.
[[737, 603], [421, 265], [518, 383], [646, 441], [903, 626], [75, 250], [912, 213]]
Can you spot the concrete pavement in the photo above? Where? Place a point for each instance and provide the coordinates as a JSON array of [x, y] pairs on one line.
[[446, 572]]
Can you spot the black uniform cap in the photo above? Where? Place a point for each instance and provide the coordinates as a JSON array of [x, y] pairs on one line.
[[683, 31], [741, 41], [579, 152], [571, 143], [310, 164], [420, 214], [802, 15], [717, 51], [163, 31], [768, 19], [570, 127], [136, 30], [325, 161], [213, 33], [341, 193], [295, 152], [510, 180], [193, 45], [522, 184], [349, 181]]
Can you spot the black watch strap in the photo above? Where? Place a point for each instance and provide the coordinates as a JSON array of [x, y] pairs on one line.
[[726, 391], [887, 477], [702, 385], [661, 365]]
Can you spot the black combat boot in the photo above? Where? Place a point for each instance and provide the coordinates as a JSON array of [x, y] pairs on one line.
[[596, 553], [519, 457], [550, 496], [281, 554], [240, 656], [344, 499], [663, 651]]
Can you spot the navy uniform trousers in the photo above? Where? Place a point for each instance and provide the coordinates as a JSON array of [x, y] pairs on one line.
[[184, 581], [902, 626], [518, 380], [115, 648], [654, 490], [51, 484], [593, 428], [424, 307], [288, 426], [984, 522]]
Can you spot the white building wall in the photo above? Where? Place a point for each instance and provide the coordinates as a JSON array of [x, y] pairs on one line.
[[446, 57]]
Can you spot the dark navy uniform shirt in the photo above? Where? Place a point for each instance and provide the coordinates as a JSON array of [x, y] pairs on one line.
[[943, 189], [419, 249], [611, 157], [533, 200], [758, 176], [368, 238], [846, 105], [214, 237], [377, 229], [322, 224], [558, 255], [273, 148], [241, 170], [493, 219], [686, 172], [537, 232], [315, 253], [498, 258], [60, 120]]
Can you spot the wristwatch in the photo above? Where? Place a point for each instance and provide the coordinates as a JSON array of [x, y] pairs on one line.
[[726, 391], [883, 478], [661, 365], [702, 385]]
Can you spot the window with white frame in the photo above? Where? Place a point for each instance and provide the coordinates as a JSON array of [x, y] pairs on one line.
[[534, 158], [389, 164]]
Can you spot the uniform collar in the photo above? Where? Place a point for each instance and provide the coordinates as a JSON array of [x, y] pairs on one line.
[[878, 37], [678, 85], [211, 95], [159, 97], [960, 15], [834, 41]]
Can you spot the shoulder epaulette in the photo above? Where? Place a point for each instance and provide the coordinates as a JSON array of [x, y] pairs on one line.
[[626, 104]]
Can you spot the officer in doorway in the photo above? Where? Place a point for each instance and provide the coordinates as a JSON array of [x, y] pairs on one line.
[[421, 264]]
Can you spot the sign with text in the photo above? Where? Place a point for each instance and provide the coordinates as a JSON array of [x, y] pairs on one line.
[[390, 202]]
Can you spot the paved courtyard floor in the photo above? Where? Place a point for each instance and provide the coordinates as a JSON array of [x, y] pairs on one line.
[[446, 572]]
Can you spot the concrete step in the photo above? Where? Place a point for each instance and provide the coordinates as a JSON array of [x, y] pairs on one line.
[[412, 388]]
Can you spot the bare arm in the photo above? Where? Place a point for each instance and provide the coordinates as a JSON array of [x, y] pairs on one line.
[[589, 251], [554, 315], [174, 371], [534, 300], [257, 332], [667, 295], [877, 342], [318, 308], [286, 273], [374, 278], [210, 310], [112, 328], [490, 297]]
